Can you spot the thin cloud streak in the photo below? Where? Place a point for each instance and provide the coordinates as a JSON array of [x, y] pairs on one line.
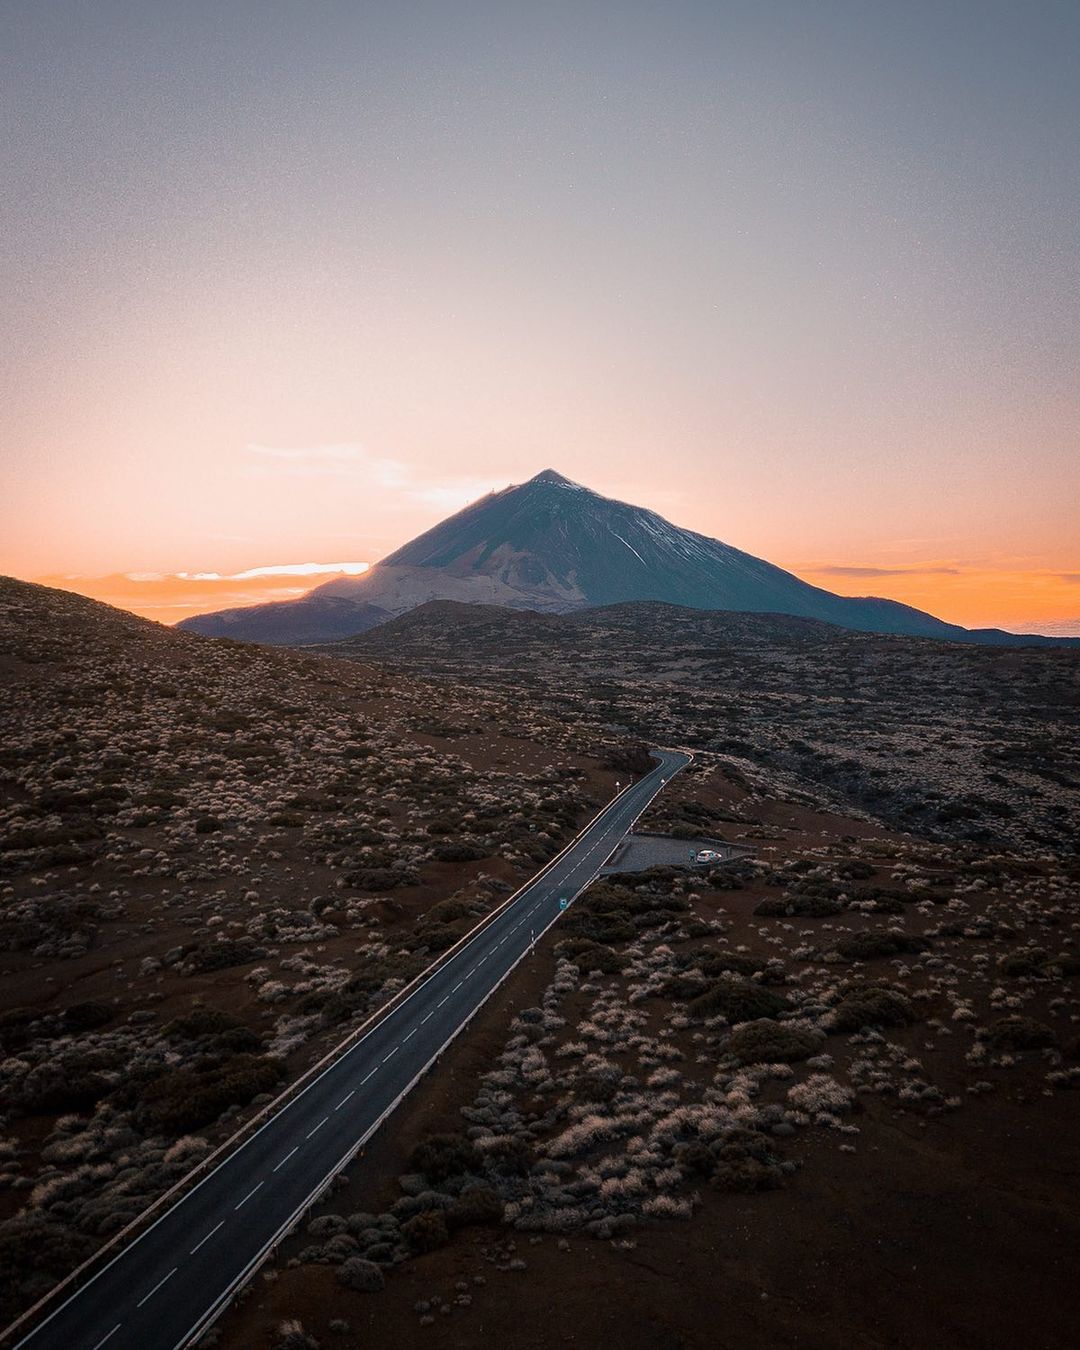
[[351, 459], [838, 571]]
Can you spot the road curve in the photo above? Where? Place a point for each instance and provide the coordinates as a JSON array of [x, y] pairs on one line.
[[169, 1284]]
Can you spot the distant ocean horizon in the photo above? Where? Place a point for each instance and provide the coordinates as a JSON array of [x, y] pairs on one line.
[[1049, 628]]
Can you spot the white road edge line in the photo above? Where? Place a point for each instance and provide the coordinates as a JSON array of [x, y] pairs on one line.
[[345, 1099], [146, 1297], [247, 1197], [287, 1157], [206, 1238], [109, 1336]]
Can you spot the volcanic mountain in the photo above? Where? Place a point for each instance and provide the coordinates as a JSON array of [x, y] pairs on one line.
[[552, 545]]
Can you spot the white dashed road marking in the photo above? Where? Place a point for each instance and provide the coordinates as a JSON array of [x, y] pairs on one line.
[[211, 1233], [317, 1127], [146, 1297], [410, 1035], [287, 1157], [344, 1100], [255, 1188], [372, 1074], [109, 1336]]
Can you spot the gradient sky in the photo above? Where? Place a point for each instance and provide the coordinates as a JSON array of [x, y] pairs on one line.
[[286, 282]]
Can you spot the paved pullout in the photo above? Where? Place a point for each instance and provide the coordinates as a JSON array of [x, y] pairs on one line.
[[165, 1287]]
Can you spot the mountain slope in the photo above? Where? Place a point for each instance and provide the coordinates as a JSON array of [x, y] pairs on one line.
[[552, 545]]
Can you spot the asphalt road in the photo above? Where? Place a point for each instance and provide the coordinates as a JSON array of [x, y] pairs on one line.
[[166, 1286]]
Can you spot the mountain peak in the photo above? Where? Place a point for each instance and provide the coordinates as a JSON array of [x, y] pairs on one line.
[[551, 476], [528, 547]]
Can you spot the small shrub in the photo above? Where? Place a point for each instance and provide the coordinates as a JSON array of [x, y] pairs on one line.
[[188, 1098], [769, 1042], [292, 1336], [799, 907], [200, 1021], [426, 1231], [737, 1000], [365, 1276], [1027, 961], [873, 1006], [1021, 1033], [476, 1205], [441, 1156], [878, 942]]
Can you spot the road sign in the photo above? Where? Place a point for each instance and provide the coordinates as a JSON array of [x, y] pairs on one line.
[[563, 902]]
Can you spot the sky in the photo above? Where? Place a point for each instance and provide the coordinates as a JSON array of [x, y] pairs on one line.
[[285, 283]]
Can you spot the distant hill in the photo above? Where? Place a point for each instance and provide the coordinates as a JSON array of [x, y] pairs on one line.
[[314, 617], [476, 632], [553, 546]]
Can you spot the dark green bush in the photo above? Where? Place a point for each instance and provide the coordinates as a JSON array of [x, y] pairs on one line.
[[769, 1042], [798, 906], [616, 926], [745, 1163], [225, 953], [201, 1021], [1021, 1033], [476, 1205], [365, 1276], [441, 1156], [510, 1155], [683, 987], [876, 1005], [239, 1040], [426, 1231], [460, 851], [729, 963], [34, 1254], [738, 1000], [873, 943], [188, 1098], [1026, 961], [589, 955]]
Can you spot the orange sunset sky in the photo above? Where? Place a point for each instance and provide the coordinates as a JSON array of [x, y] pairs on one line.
[[286, 284]]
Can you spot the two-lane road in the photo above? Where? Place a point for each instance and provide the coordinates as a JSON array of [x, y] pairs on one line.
[[167, 1285]]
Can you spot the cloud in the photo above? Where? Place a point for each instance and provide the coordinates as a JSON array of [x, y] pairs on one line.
[[308, 569], [836, 571], [170, 596], [1069, 578], [347, 459], [350, 459], [447, 497]]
